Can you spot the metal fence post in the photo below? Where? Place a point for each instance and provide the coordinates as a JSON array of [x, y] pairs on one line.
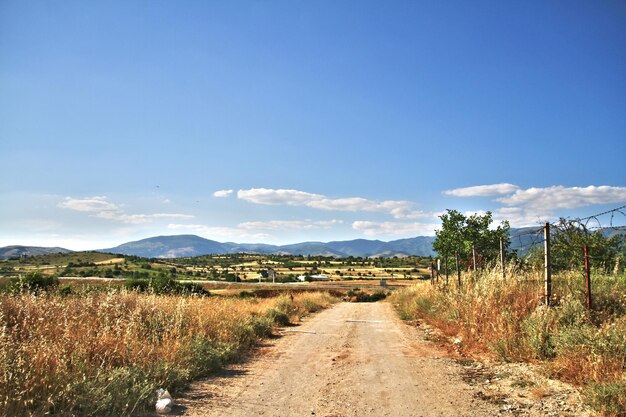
[[458, 269], [587, 276]]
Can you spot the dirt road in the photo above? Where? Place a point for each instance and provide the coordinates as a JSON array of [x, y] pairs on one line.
[[351, 360]]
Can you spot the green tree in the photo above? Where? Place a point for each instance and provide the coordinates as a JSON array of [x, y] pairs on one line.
[[458, 234]]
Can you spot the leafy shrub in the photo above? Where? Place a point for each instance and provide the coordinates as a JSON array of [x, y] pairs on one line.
[[33, 282], [135, 284], [538, 334], [65, 290], [247, 294], [164, 284], [377, 296], [278, 317], [190, 288], [363, 297], [608, 398]]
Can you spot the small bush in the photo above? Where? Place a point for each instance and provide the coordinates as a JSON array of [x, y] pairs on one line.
[[363, 297], [278, 317], [65, 290], [538, 334], [33, 282], [200, 356], [190, 288], [136, 284], [377, 296], [164, 284], [607, 398], [247, 294]]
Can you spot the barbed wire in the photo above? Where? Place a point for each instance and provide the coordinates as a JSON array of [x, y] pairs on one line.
[[525, 240], [536, 235], [584, 221], [618, 209]]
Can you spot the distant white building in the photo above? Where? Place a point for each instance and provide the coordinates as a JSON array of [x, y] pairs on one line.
[[320, 277]]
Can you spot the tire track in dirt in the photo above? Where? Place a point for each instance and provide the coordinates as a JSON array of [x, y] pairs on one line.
[[355, 359]]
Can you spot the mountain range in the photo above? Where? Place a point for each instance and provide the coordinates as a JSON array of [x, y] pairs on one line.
[[178, 246], [192, 245], [17, 251]]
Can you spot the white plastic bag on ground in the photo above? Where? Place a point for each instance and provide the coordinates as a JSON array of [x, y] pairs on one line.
[[164, 402]]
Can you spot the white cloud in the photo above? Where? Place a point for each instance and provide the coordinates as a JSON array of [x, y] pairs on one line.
[[399, 209], [88, 204], [227, 233], [257, 230], [289, 225], [139, 218], [559, 197], [532, 206], [222, 193], [483, 190], [103, 209], [520, 217], [394, 229]]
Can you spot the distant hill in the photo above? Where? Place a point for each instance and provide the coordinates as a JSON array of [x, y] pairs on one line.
[[192, 245], [179, 246], [522, 239], [17, 251]]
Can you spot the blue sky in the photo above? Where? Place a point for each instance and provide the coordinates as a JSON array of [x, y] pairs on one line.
[[327, 120]]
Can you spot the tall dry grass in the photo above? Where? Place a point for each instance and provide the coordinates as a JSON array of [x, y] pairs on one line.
[[107, 353], [506, 318]]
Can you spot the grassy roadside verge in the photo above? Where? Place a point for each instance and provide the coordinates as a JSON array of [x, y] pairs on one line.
[[106, 353], [505, 319]]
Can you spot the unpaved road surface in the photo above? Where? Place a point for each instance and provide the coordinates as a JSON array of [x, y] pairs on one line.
[[355, 359]]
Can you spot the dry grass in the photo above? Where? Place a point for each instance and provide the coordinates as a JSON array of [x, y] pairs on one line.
[[506, 319], [538, 393], [106, 353]]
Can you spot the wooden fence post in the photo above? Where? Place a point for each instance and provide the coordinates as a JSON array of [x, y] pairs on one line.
[[474, 257], [446, 266], [587, 276], [432, 273], [502, 257], [547, 272], [458, 270]]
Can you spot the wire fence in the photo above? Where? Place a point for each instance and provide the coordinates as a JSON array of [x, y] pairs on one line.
[[577, 239], [528, 239]]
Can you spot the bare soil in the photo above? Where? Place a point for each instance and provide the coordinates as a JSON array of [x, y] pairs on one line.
[[359, 359], [355, 359]]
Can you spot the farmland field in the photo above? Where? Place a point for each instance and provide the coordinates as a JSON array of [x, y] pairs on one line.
[[240, 268]]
